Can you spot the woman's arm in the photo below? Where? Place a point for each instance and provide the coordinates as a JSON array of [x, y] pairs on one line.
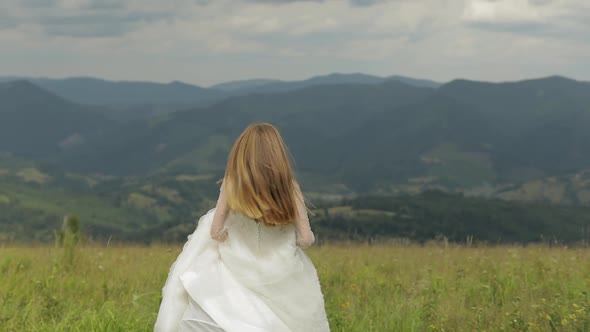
[[305, 237], [218, 230]]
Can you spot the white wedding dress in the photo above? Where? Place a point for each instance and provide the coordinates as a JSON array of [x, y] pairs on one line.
[[258, 279]]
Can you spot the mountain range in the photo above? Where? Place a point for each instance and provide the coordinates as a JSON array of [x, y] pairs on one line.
[[364, 136], [154, 151]]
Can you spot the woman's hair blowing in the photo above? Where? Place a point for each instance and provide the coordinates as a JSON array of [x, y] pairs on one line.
[[259, 180]]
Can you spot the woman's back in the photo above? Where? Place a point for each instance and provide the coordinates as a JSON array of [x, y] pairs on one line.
[[257, 238], [258, 252]]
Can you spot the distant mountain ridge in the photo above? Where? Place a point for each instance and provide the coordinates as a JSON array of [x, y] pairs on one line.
[[95, 91], [265, 86], [233, 86]]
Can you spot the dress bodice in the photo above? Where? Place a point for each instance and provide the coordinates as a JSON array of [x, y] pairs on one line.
[[259, 252], [258, 236]]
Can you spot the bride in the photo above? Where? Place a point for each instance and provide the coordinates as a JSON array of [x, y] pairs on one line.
[[243, 269]]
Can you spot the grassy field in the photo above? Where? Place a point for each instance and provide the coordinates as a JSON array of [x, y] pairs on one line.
[[367, 288]]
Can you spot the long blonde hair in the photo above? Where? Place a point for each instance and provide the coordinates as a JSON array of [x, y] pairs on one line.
[[259, 180]]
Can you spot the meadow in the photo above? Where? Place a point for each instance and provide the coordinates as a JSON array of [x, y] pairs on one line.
[[397, 287]]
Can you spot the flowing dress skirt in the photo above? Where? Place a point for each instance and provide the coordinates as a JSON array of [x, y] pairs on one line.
[[256, 280]]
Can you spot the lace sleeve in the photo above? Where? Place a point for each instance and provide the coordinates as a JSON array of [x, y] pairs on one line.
[[305, 237], [218, 230]]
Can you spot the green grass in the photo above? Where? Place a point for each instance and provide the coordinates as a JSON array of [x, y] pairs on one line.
[[380, 288]]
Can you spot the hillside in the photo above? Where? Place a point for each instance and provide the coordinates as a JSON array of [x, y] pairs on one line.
[[35, 198], [437, 215], [34, 201], [35, 123], [539, 125]]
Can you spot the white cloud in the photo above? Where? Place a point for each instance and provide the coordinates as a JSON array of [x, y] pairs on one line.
[[502, 11], [544, 18]]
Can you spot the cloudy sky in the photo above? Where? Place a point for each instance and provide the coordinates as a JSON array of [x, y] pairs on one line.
[[210, 41]]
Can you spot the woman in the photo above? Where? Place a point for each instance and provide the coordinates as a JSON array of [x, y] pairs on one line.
[[243, 268]]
